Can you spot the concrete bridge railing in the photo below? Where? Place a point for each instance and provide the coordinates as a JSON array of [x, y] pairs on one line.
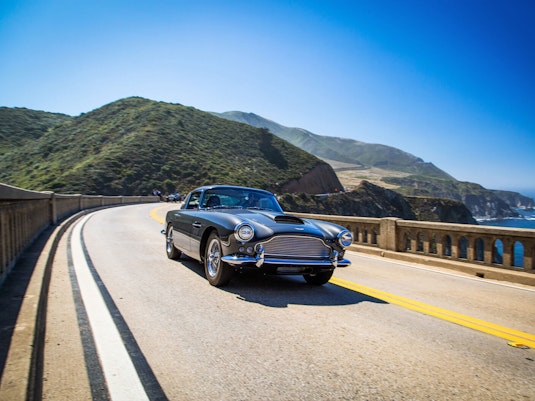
[[497, 247], [26, 214]]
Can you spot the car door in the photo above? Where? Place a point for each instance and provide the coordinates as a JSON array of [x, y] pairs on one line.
[[184, 223]]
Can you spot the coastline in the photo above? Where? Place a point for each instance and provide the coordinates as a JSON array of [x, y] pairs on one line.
[[527, 221]]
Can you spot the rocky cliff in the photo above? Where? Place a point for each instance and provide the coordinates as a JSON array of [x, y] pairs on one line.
[[514, 199], [441, 210], [369, 200], [320, 180], [482, 203]]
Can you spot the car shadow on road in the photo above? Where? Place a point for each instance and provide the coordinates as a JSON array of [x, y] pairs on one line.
[[281, 291]]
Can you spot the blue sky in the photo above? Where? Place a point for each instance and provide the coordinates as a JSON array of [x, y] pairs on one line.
[[450, 81]]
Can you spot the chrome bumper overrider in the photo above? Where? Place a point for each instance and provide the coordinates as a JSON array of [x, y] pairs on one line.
[[260, 260]]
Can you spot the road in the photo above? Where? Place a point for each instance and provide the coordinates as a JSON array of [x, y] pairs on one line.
[[125, 322]]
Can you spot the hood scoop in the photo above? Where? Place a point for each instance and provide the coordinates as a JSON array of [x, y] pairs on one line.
[[286, 219]]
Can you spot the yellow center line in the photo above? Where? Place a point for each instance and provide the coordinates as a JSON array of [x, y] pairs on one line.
[[154, 214], [515, 336]]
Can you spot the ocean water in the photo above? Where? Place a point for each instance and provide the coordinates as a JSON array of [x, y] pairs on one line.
[[527, 220]]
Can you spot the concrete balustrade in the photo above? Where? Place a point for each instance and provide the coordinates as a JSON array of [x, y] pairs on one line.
[[497, 247], [26, 214]]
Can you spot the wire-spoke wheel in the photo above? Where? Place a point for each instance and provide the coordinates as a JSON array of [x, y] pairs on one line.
[[217, 272]]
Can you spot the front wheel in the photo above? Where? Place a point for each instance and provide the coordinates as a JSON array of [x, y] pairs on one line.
[[217, 272], [318, 278]]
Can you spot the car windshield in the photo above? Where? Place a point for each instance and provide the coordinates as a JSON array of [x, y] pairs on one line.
[[239, 198]]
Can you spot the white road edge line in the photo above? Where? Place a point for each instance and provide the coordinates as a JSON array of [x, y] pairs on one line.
[[119, 371]]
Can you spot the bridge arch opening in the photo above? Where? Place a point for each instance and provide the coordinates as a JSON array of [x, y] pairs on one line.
[[518, 254], [408, 241], [463, 248], [480, 250], [497, 252], [433, 244], [374, 237], [420, 237], [446, 244]]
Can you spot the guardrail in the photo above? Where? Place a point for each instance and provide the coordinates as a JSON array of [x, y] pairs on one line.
[[500, 247], [26, 214]]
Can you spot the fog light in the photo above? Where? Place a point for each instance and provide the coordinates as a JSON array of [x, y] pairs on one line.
[[249, 249]]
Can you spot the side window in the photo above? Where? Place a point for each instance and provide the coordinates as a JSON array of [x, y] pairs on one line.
[[193, 202]]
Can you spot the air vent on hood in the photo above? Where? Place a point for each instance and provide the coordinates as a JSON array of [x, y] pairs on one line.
[[288, 220]]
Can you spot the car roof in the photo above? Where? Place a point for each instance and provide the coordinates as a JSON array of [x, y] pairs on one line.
[[206, 187]]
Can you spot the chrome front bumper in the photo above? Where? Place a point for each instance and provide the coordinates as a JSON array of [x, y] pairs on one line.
[[260, 259]]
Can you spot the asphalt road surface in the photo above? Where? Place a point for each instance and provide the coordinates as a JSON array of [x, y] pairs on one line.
[[125, 322]]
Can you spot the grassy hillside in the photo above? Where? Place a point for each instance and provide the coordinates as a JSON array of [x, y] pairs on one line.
[[18, 126], [133, 145]]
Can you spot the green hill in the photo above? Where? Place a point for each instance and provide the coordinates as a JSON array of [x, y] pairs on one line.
[[18, 126], [133, 145]]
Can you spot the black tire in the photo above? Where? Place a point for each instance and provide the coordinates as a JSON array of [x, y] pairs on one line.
[[318, 278], [170, 249], [218, 273]]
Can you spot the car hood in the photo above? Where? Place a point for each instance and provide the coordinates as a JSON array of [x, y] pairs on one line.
[[270, 223]]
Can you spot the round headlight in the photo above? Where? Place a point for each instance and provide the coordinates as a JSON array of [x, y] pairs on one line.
[[244, 232], [345, 238]]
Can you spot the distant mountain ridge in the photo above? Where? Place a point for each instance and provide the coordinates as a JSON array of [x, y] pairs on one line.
[[343, 149], [402, 171]]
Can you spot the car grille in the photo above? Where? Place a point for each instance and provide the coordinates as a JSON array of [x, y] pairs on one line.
[[296, 247]]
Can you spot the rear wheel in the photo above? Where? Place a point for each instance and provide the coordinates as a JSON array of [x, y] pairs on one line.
[[217, 272], [318, 278], [170, 249]]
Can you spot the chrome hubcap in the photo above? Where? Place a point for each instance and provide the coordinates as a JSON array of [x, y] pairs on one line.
[[214, 258]]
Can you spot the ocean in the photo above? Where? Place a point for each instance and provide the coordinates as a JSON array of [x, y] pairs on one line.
[[527, 220]]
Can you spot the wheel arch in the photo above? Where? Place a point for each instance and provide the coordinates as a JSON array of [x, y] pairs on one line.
[[204, 241]]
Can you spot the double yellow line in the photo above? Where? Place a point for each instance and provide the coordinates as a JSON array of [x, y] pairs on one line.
[[516, 338]]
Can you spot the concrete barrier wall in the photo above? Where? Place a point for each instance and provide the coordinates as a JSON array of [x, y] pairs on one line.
[[498, 247], [25, 214]]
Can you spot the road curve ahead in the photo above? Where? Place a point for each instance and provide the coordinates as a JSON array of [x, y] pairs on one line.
[[125, 322]]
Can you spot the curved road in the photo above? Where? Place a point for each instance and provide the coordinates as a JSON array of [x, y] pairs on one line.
[[125, 322]]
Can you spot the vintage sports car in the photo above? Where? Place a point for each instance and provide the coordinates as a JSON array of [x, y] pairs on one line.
[[228, 228]]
